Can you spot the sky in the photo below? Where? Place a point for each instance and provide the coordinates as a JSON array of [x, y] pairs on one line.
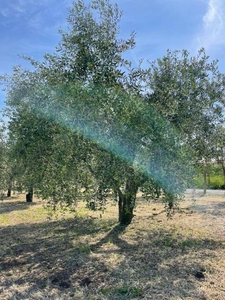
[[30, 28]]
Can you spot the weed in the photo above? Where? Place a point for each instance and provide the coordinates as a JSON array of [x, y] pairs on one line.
[[4, 219], [131, 292], [83, 248], [188, 242], [106, 291]]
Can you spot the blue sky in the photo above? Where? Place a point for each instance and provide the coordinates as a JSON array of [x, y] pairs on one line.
[[30, 27]]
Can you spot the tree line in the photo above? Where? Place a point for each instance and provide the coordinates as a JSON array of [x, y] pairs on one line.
[[85, 123]]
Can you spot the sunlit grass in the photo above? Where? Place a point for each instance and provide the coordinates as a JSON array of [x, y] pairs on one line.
[[89, 257], [4, 219]]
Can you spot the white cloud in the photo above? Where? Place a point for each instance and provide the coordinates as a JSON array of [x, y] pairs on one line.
[[213, 31]]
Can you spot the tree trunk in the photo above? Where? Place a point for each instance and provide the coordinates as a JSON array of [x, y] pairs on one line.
[[223, 167], [157, 191], [209, 179], [29, 195], [126, 203], [205, 180], [9, 192], [221, 161]]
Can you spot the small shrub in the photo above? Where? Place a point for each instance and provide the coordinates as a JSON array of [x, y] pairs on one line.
[[216, 182]]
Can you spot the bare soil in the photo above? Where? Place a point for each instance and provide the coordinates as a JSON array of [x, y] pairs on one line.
[[82, 256]]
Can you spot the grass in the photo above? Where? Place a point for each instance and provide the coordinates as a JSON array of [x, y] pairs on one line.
[[82, 256]]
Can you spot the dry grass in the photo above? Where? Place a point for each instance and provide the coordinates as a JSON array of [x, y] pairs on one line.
[[85, 257]]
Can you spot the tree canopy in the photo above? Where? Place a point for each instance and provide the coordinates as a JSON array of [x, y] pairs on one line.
[[86, 123]]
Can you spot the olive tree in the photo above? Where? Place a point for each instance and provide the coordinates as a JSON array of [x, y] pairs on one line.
[[189, 92], [85, 123]]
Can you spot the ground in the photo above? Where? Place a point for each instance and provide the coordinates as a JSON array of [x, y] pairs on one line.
[[85, 256]]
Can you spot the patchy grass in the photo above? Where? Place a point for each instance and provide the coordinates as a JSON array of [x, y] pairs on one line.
[[83, 256]]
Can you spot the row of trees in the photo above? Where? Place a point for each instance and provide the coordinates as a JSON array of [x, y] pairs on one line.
[[84, 122]]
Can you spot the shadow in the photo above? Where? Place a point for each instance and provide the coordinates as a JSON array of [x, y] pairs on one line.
[[112, 237], [217, 209], [98, 259], [6, 207]]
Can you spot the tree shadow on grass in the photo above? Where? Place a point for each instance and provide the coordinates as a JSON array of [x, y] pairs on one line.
[[99, 259], [217, 209], [6, 207], [113, 236]]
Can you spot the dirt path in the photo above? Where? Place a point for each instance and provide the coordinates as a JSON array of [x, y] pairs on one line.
[[199, 192]]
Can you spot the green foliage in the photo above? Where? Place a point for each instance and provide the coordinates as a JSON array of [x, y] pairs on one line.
[[198, 182], [216, 182], [188, 91], [6, 166], [215, 178], [81, 124], [188, 242]]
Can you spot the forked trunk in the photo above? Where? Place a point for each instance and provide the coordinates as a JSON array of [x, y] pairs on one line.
[[126, 203], [29, 195]]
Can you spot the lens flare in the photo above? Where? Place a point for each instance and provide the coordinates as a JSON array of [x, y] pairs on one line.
[[123, 124]]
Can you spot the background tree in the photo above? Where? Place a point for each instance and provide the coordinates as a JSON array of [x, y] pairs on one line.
[[189, 92], [4, 178], [218, 142]]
